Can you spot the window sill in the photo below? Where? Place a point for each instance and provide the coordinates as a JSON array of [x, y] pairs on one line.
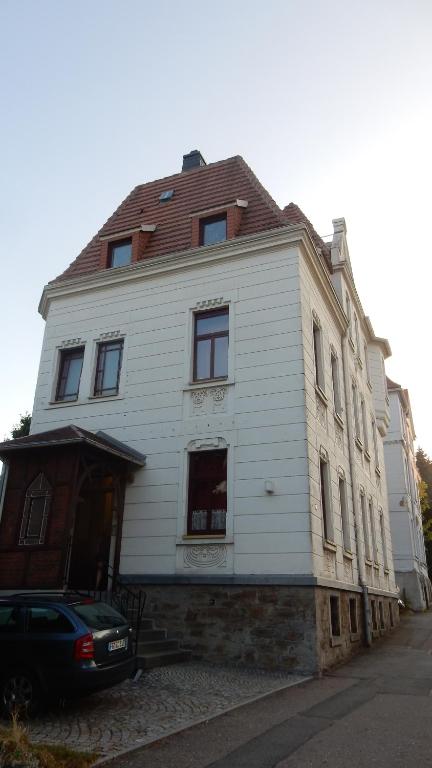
[[207, 538], [64, 403], [368, 562], [329, 545], [338, 419], [335, 641], [321, 394], [348, 554], [376, 566], [208, 383], [105, 397]]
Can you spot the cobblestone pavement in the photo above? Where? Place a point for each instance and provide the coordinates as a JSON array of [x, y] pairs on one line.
[[162, 701]]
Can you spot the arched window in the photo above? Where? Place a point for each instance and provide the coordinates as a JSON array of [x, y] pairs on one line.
[[36, 508]]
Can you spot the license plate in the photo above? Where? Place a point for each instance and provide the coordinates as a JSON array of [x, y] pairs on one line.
[[114, 645]]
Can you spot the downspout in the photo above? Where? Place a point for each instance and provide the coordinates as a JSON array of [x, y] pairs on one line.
[[355, 495]]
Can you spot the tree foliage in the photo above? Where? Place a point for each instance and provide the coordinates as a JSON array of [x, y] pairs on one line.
[[424, 466], [22, 428]]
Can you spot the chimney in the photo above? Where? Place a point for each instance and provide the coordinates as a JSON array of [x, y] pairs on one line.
[[193, 160]]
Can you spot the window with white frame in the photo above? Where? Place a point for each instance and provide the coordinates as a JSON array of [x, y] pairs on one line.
[[326, 500], [348, 312], [374, 548], [364, 423], [366, 357], [337, 403], [375, 442], [356, 411], [366, 538], [108, 367], [318, 354], [69, 374], [343, 505], [357, 335], [207, 492], [210, 345], [383, 539]]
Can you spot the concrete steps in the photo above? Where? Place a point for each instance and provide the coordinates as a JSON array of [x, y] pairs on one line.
[[154, 649]]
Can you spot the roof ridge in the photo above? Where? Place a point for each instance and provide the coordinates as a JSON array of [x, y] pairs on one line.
[[260, 188], [189, 172], [302, 217]]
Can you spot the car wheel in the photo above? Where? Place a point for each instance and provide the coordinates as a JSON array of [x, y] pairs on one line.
[[19, 693]]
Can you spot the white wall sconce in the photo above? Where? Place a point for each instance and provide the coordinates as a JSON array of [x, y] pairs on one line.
[[269, 486]]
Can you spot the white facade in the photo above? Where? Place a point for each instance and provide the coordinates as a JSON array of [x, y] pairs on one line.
[[404, 503], [270, 414]]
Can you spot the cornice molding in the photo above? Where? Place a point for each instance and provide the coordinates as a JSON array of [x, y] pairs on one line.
[[272, 240]]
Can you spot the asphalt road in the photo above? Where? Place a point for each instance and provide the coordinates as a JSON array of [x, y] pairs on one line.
[[375, 711]]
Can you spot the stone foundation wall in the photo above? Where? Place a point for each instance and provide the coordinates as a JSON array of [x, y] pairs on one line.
[[333, 649], [272, 627], [269, 627]]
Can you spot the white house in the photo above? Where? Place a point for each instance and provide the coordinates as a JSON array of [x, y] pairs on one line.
[[208, 424], [405, 512]]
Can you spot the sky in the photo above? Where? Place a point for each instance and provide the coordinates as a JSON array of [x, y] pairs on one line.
[[330, 103]]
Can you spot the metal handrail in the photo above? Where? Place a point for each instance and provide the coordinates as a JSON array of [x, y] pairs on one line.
[[130, 603]]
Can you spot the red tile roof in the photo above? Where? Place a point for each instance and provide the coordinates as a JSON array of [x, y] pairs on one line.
[[392, 384], [199, 189]]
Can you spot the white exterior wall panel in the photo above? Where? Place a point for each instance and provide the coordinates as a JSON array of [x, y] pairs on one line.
[[262, 419]]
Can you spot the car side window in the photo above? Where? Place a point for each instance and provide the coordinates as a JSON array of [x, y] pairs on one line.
[[9, 618], [48, 621]]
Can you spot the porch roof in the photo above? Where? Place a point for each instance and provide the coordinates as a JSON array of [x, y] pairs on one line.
[[72, 435]]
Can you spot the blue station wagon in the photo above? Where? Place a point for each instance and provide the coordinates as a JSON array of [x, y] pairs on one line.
[[59, 645]]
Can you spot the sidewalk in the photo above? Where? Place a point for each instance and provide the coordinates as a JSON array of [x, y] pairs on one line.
[[374, 711]]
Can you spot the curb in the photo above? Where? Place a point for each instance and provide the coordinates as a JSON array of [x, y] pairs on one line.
[[107, 759]]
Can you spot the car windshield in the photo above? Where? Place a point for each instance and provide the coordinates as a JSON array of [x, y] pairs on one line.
[[99, 615]]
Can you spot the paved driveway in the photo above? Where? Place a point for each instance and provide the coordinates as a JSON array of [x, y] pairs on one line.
[[374, 711], [163, 701]]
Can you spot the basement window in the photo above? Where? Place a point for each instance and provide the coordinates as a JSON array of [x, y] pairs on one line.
[[381, 615], [335, 616], [353, 615], [374, 616], [213, 230]]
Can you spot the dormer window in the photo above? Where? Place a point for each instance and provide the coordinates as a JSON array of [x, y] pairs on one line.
[[120, 253], [213, 229]]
